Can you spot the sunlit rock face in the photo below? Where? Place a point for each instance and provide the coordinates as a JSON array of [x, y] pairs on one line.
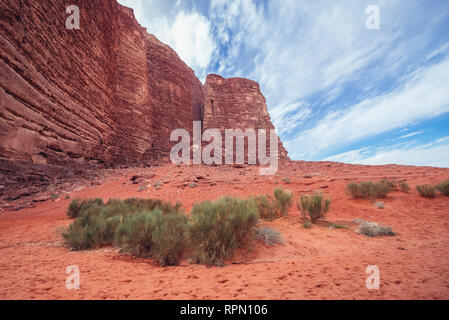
[[236, 103]]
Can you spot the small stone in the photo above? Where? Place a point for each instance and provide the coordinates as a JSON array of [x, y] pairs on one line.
[[158, 185], [143, 187], [193, 185], [380, 205]]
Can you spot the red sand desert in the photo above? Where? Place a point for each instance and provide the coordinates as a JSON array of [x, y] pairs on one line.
[[316, 263]]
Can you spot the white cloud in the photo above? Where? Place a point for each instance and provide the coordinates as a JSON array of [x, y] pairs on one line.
[[188, 32], [424, 94], [425, 155], [442, 139], [411, 134]]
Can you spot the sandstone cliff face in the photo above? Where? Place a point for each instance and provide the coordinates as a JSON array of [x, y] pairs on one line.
[[236, 103], [108, 94]]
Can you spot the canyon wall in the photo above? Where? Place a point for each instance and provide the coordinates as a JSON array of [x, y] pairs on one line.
[[108, 94]]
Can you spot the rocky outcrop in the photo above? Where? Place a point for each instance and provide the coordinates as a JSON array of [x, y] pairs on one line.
[[108, 94], [236, 103]]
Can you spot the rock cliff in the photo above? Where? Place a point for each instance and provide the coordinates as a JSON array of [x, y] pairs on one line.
[[236, 103]]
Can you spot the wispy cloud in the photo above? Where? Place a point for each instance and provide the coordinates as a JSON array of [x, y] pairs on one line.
[[424, 94], [431, 154], [411, 134]]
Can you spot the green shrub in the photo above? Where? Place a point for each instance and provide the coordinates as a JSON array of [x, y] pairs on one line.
[[218, 228], [96, 222], [283, 200], [134, 234], [382, 189], [426, 191], [443, 187], [95, 227], [369, 190], [314, 206], [266, 206], [77, 206], [404, 187], [169, 237], [157, 235], [268, 236]]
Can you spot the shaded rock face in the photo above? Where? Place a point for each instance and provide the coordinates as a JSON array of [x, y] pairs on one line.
[[236, 103], [108, 94]]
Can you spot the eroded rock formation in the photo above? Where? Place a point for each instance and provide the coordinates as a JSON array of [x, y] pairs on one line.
[[236, 103]]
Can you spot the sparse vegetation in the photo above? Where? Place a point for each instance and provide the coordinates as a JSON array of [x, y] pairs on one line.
[[271, 208], [218, 228], [314, 206], [96, 222], [154, 235], [77, 206], [283, 200], [443, 187], [426, 191], [372, 229], [404, 187], [268, 236], [266, 206], [369, 190]]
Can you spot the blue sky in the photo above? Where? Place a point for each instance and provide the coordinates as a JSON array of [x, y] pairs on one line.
[[335, 90]]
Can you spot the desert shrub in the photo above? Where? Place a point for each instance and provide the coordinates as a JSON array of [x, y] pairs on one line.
[[218, 228], [138, 205], [157, 235], [314, 206], [266, 206], [95, 227], [369, 190], [443, 187], [134, 234], [426, 191], [372, 229], [268, 236], [404, 187], [169, 237], [96, 222], [283, 200], [77, 206], [382, 188]]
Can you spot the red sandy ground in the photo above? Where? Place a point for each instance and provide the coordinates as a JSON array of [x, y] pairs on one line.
[[317, 263]]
